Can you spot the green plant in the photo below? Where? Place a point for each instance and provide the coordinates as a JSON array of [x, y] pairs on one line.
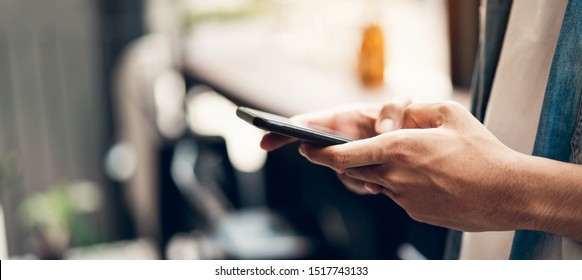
[[57, 217]]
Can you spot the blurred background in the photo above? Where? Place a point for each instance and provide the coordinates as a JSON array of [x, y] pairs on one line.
[[118, 137]]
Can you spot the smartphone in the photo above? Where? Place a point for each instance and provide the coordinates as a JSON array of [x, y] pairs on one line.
[[284, 126]]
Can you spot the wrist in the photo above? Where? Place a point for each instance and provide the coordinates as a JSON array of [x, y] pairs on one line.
[[522, 205], [552, 192]]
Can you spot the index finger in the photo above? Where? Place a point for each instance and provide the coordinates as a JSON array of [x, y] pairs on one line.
[[375, 150], [272, 141]]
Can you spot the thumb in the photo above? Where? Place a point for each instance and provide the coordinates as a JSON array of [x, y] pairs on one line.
[[392, 115]]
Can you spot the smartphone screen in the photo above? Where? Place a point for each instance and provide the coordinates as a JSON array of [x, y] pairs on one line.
[[284, 126]]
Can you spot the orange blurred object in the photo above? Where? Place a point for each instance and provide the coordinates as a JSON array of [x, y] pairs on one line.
[[371, 58]]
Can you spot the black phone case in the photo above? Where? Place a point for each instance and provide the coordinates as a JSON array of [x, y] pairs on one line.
[[305, 134]]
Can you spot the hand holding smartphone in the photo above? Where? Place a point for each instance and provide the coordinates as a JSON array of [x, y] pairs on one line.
[[284, 126]]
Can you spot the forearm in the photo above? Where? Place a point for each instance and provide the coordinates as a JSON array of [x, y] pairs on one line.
[[554, 191]]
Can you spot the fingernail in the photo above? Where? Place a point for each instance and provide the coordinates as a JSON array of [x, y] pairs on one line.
[[386, 125]]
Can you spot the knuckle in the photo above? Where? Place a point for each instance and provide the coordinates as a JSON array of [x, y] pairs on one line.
[[448, 107], [444, 108], [337, 158], [395, 196], [393, 109], [402, 156], [393, 180], [399, 148]]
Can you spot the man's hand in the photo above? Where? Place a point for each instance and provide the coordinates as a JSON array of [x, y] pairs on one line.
[[359, 121], [443, 167]]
